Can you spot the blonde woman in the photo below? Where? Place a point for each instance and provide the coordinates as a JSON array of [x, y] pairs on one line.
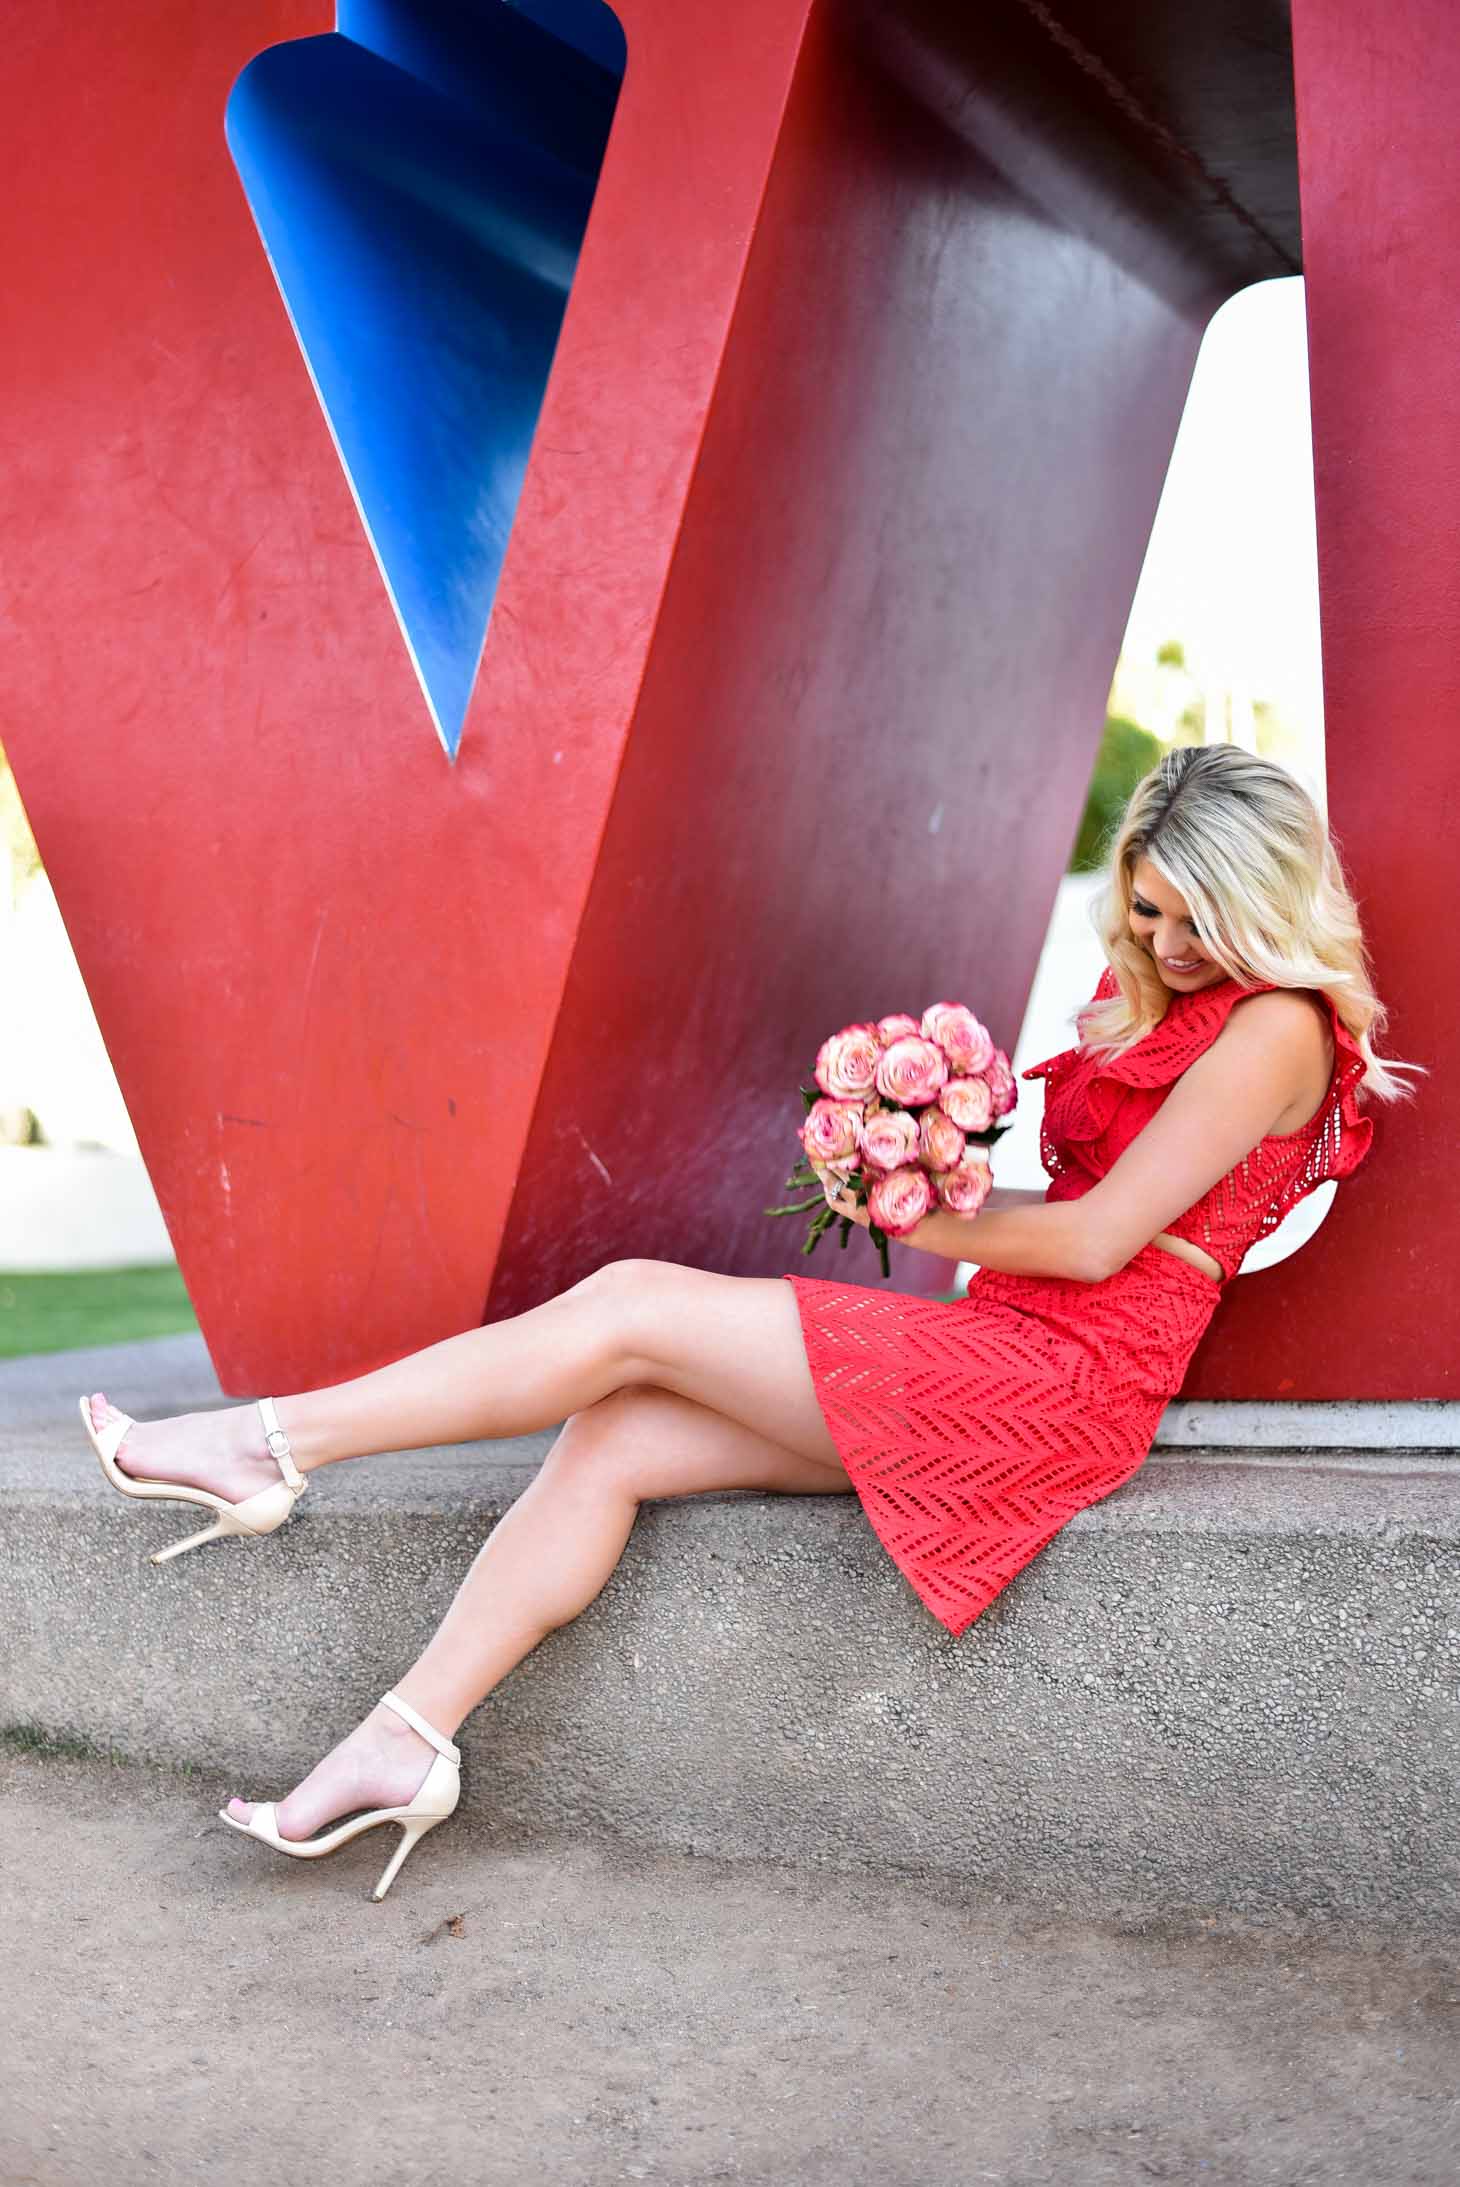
[[1218, 1077]]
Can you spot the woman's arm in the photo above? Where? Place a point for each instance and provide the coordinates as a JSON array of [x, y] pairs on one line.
[[1037, 1238], [1002, 1196], [1016, 1229], [1216, 1114], [1222, 1106], [1220, 1109]]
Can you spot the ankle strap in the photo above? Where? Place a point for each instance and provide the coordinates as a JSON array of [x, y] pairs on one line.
[[418, 1723], [278, 1443]]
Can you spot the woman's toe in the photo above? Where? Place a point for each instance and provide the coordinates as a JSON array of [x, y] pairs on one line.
[[240, 1810]]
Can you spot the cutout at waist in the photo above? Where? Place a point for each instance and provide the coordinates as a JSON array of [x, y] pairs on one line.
[[1186, 1251]]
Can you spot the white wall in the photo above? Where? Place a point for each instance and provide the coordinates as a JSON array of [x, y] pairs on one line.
[[84, 1199]]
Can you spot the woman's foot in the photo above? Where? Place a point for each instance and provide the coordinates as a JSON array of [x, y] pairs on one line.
[[381, 1763], [224, 1452]]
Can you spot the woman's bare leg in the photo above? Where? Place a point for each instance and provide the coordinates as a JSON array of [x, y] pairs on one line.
[[730, 1342], [544, 1562]]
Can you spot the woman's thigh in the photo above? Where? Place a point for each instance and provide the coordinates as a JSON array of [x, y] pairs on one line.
[[656, 1443], [733, 1343]]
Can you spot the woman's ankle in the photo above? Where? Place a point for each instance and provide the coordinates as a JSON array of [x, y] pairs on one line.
[[395, 1729], [431, 1705], [310, 1445]]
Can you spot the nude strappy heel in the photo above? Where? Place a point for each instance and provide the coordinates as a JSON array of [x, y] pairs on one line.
[[255, 1515], [436, 1799]]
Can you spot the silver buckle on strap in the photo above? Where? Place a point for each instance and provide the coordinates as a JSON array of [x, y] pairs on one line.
[[276, 1442]]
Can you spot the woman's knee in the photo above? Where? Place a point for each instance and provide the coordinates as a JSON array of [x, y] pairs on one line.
[[644, 1442], [633, 1297], [599, 1445], [628, 1279]]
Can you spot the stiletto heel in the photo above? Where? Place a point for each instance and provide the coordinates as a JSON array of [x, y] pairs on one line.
[[190, 1541], [255, 1515], [410, 1834], [433, 1803]]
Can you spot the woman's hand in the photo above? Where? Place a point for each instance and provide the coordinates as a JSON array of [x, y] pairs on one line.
[[939, 1231], [928, 1236], [839, 1197], [844, 1203]]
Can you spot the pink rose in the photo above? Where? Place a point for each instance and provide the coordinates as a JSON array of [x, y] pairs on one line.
[[898, 1202], [967, 1044], [896, 1028], [912, 1071], [963, 1190], [830, 1132], [889, 1139], [970, 1103], [940, 1142], [1002, 1084], [846, 1065]]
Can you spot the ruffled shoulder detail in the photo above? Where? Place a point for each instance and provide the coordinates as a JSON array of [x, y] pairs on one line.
[[1191, 1023], [1053, 1066]]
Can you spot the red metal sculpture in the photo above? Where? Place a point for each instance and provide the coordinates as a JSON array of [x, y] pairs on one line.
[[853, 437]]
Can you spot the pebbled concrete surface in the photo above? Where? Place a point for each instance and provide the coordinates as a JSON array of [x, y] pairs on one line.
[[1231, 1687], [181, 2005]]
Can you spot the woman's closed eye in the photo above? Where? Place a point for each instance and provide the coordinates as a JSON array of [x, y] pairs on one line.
[[1148, 911]]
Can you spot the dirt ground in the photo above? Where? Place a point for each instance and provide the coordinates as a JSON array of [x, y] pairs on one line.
[[181, 2005]]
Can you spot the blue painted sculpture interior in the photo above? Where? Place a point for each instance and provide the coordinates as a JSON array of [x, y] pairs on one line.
[[421, 178]]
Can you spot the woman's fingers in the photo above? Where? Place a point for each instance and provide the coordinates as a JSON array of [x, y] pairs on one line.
[[830, 1185], [839, 1196]]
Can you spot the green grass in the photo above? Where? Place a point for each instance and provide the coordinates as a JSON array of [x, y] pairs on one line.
[[66, 1311], [58, 1312]]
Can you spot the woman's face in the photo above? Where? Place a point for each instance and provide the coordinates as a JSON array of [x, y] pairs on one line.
[[1162, 924]]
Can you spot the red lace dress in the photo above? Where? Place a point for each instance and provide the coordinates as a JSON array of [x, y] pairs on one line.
[[973, 1429]]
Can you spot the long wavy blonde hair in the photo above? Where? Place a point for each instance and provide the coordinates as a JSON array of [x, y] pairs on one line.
[[1247, 847]]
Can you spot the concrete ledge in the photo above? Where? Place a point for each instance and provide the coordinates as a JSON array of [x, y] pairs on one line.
[[1232, 1686], [1418, 1424]]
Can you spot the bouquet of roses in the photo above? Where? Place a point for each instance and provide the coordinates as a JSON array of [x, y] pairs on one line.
[[903, 1113]]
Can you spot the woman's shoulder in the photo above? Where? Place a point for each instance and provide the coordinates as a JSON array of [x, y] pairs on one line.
[[1090, 1087], [1325, 1062], [1299, 1023], [1300, 1016], [1300, 1019], [1294, 1023]]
